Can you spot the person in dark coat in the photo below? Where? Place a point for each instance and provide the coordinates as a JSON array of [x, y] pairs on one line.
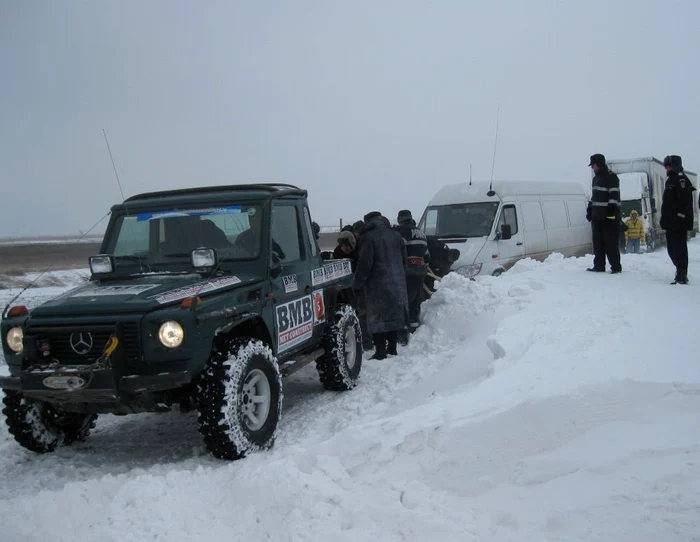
[[381, 276], [605, 214], [677, 215], [418, 258], [346, 248]]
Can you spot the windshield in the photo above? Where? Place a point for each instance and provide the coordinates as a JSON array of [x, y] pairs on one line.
[[460, 220], [631, 205], [157, 239]]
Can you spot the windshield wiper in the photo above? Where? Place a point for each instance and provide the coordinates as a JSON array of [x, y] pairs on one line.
[[141, 260]]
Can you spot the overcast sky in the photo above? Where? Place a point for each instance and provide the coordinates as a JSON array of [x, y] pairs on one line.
[[367, 104]]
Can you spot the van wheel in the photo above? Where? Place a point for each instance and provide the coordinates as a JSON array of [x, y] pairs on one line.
[[339, 367], [41, 427], [498, 272], [240, 399]]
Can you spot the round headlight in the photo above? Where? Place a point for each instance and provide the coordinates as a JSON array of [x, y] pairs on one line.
[[14, 339], [171, 334]]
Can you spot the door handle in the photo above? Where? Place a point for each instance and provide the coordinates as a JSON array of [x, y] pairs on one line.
[[519, 243]]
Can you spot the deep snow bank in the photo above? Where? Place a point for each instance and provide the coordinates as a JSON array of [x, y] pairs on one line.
[[547, 404]]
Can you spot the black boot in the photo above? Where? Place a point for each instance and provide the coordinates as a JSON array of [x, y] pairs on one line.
[[379, 346], [393, 343], [677, 278], [683, 277], [594, 270]]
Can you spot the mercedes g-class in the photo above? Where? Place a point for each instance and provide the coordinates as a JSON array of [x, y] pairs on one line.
[[201, 298]]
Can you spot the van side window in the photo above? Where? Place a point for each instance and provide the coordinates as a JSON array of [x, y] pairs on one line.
[[577, 213], [509, 216], [532, 215], [555, 215]]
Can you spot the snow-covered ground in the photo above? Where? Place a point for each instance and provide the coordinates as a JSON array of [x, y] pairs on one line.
[[547, 404]]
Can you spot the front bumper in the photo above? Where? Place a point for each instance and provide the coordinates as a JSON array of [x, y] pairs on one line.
[[89, 385]]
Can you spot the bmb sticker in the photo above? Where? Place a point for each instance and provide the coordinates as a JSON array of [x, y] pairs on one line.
[[290, 284], [319, 307], [295, 323]]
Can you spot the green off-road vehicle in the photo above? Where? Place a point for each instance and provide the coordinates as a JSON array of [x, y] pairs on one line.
[[203, 298]]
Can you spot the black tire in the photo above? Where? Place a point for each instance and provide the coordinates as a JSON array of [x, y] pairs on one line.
[[40, 427], [498, 272], [226, 410], [339, 368]]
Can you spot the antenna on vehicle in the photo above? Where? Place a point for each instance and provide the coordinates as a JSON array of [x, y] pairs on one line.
[[119, 183], [491, 193], [470, 174]]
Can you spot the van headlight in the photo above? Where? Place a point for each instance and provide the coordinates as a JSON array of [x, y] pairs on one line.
[[469, 271], [171, 334], [14, 339]]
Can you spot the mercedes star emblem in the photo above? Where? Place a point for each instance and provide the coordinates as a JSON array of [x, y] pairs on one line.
[[81, 343]]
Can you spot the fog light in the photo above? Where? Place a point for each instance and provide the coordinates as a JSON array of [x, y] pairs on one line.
[[100, 265], [470, 271], [171, 334]]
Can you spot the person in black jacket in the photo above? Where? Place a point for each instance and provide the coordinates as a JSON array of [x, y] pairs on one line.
[[346, 248], [677, 215], [381, 276], [604, 212], [418, 258]]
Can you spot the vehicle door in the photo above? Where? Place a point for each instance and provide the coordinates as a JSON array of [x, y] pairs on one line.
[[291, 282], [532, 222], [509, 250]]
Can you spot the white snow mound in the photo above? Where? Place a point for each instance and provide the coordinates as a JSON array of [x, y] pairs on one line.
[[546, 404]]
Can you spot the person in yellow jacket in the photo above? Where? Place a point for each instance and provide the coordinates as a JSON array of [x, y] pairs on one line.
[[634, 235]]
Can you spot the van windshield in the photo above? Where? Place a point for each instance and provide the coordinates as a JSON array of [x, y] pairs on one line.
[[460, 220]]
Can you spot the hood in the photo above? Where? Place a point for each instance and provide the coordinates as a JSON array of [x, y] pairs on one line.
[[468, 251], [138, 294]]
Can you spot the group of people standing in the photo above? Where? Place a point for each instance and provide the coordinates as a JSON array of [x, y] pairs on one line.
[[390, 264], [604, 213]]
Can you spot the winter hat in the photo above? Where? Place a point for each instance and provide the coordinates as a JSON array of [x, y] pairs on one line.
[[358, 226], [675, 161], [347, 238], [634, 213], [404, 216], [372, 215], [597, 159]]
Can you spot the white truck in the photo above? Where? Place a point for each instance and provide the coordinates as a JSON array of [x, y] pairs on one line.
[[642, 183]]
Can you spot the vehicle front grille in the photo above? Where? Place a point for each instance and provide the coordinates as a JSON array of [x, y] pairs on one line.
[[83, 344]]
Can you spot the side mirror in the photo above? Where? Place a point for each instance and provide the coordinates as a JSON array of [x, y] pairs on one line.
[[506, 232], [204, 260], [653, 205], [101, 265], [275, 265]]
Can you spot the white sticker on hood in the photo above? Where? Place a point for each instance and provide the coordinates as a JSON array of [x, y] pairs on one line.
[[195, 289], [126, 289]]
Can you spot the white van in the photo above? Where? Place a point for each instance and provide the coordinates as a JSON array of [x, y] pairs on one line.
[[494, 227]]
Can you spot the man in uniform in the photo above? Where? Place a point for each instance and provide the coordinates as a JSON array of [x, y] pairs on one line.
[[604, 212], [418, 259], [677, 215]]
